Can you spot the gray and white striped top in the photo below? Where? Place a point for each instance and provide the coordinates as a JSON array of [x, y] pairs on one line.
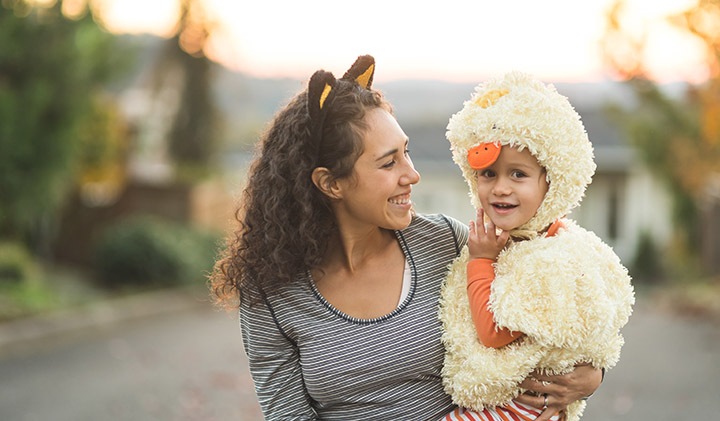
[[310, 361]]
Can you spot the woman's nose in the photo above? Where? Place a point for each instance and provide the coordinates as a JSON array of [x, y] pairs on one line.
[[411, 175]]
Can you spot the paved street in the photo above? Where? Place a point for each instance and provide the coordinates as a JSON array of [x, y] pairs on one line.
[[669, 369], [187, 366], [190, 366]]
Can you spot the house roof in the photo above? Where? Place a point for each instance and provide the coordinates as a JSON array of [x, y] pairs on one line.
[[423, 108], [429, 147]]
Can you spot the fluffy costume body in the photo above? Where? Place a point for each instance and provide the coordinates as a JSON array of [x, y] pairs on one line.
[[569, 294]]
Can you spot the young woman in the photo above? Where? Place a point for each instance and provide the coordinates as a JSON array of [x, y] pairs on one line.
[[338, 280]]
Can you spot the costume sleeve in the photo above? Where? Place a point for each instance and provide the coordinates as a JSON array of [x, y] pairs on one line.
[[274, 363], [480, 274]]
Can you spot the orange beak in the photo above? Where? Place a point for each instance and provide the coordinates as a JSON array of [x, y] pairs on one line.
[[483, 155]]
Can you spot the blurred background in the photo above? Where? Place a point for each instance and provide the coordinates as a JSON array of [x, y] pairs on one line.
[[127, 127]]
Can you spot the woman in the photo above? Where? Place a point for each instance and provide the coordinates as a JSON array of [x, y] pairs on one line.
[[338, 280]]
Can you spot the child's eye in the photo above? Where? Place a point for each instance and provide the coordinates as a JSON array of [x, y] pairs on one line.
[[518, 174], [487, 173]]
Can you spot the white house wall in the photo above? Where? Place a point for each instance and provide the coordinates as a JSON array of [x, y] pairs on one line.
[[642, 203]]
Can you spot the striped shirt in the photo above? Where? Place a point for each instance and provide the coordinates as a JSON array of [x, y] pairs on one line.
[[310, 361]]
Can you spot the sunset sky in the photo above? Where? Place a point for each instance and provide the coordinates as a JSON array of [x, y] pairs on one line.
[[456, 40]]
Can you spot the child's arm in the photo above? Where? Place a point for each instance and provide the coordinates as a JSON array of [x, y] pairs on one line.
[[484, 246], [480, 275]]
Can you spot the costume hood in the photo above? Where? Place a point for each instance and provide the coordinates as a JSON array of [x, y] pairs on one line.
[[521, 111]]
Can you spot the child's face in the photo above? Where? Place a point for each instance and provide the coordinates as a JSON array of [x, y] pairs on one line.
[[512, 189]]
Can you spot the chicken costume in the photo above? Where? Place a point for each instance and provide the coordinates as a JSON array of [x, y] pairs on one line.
[[568, 293]]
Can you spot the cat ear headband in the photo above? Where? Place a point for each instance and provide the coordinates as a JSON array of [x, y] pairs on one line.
[[322, 87]]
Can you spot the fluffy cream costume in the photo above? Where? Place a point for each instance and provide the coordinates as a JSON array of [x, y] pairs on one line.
[[569, 294]]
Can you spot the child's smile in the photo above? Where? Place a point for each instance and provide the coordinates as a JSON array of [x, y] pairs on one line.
[[512, 189]]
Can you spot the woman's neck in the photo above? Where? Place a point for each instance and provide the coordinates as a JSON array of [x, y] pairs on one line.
[[351, 249]]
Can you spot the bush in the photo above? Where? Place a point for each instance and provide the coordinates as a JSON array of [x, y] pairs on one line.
[[648, 263], [23, 287], [16, 265], [148, 251]]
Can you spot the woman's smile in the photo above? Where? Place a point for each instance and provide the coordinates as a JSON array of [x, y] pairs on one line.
[[401, 199]]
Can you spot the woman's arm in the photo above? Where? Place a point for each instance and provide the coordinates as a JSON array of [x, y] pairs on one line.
[[561, 390], [274, 365]]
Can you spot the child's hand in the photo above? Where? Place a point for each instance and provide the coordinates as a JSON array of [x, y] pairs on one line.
[[485, 243]]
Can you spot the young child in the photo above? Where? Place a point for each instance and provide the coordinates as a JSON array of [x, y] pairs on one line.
[[537, 290]]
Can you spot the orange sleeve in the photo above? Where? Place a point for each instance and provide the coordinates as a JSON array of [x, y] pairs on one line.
[[480, 274]]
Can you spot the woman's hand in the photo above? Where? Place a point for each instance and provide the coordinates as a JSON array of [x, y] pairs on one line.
[[560, 390], [484, 243]]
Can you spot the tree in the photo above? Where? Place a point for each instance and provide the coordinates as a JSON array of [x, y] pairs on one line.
[[192, 136], [678, 139], [52, 70]]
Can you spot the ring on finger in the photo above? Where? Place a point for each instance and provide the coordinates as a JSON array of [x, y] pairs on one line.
[[545, 404]]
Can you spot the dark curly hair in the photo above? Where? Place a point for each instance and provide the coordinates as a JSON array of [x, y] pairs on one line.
[[285, 222]]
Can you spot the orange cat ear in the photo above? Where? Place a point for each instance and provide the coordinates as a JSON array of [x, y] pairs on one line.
[[362, 71]]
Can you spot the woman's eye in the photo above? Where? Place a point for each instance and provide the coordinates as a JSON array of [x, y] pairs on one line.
[[389, 164], [407, 151]]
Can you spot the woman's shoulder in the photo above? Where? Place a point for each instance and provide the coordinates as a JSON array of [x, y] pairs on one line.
[[438, 226], [437, 221]]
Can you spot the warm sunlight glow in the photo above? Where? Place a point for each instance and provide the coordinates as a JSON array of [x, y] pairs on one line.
[[157, 17], [458, 40]]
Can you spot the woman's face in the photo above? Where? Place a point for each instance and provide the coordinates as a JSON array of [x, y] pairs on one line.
[[377, 194]]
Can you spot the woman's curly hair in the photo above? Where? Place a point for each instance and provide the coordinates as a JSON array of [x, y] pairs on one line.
[[285, 222]]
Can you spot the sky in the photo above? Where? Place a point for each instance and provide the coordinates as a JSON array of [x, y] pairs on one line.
[[454, 40]]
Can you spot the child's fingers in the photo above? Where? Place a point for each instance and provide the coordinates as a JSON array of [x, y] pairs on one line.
[[481, 218], [491, 229], [471, 227], [504, 237]]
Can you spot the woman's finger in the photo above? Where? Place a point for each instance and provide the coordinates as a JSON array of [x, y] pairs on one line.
[[546, 414], [539, 403], [532, 400]]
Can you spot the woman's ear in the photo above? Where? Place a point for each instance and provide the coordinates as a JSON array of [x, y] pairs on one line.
[[326, 183]]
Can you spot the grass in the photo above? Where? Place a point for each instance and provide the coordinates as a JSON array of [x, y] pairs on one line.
[[55, 288], [64, 288]]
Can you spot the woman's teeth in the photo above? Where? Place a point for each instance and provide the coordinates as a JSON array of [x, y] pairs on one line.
[[400, 201]]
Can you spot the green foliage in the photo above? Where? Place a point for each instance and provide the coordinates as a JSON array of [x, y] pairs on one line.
[[663, 130], [647, 266], [149, 252], [51, 68], [16, 265], [679, 139], [22, 283]]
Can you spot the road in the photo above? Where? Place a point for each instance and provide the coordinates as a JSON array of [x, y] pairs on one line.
[[190, 365], [181, 366]]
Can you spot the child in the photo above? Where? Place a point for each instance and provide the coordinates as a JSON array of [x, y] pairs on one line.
[[540, 292]]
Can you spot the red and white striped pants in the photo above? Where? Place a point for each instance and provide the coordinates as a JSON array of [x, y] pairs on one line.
[[513, 411]]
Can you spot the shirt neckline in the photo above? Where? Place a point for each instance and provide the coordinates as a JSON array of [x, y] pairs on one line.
[[403, 304]]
